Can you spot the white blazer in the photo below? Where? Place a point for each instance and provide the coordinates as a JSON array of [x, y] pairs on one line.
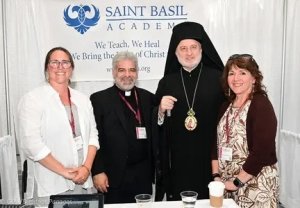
[[45, 128]]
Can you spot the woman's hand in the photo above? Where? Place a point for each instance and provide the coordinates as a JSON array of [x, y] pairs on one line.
[[218, 179], [68, 173], [229, 186], [82, 174]]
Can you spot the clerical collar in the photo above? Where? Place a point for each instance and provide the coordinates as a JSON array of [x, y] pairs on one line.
[[126, 93], [191, 69]]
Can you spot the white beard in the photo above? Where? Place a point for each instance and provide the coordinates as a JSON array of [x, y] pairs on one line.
[[189, 65], [125, 87]]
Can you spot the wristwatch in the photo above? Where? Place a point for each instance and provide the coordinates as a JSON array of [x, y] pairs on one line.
[[238, 183]]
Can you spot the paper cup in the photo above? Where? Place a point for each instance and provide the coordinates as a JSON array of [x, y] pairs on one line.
[[216, 192]]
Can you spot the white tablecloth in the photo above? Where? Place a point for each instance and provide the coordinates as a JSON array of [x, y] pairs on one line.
[[228, 203]]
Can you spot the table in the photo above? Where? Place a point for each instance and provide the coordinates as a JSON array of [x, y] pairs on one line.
[[227, 203]]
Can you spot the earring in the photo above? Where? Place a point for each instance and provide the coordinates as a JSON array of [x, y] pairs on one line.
[[229, 92], [253, 86]]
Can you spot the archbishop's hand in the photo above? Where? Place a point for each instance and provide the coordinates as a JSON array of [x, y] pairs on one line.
[[101, 182], [166, 103]]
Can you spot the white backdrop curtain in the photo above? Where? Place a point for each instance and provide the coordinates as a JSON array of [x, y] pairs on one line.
[[9, 171], [289, 140], [234, 26], [3, 118]]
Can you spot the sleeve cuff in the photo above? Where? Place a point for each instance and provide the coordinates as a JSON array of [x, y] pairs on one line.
[[251, 167], [42, 154], [94, 142]]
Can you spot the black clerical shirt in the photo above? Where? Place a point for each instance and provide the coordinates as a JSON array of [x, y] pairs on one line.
[[137, 148]]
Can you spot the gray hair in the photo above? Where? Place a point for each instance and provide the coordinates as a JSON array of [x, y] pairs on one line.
[[123, 55]]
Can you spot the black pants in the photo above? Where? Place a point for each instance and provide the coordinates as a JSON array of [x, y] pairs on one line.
[[136, 180]]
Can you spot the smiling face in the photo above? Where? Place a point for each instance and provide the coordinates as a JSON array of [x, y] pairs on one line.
[[125, 74], [240, 81], [189, 53], [59, 68]]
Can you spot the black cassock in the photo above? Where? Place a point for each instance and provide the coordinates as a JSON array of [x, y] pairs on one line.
[[190, 151]]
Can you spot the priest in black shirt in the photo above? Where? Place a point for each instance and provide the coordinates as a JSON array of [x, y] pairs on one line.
[[123, 165], [190, 92]]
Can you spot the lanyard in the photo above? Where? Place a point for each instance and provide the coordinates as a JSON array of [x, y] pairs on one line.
[[137, 112], [227, 123], [72, 121]]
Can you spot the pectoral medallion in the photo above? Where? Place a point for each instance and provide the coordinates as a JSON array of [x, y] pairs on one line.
[[190, 122]]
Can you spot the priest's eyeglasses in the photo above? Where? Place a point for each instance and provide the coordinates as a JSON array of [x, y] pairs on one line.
[[64, 64], [234, 56]]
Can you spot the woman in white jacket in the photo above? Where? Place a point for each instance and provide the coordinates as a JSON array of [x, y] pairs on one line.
[[58, 133]]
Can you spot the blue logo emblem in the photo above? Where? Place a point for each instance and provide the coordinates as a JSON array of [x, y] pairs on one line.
[[81, 23]]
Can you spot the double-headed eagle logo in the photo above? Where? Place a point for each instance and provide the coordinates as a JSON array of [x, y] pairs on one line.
[[81, 23]]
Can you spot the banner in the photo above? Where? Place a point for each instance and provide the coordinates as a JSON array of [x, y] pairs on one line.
[[94, 31]]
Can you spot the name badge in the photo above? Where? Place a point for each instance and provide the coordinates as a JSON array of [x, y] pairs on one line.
[[225, 153], [79, 142], [141, 133]]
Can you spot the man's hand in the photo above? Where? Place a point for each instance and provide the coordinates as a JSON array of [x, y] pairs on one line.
[[101, 182], [166, 103]]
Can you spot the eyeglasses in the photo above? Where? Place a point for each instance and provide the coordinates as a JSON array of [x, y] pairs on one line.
[[55, 64], [234, 56]]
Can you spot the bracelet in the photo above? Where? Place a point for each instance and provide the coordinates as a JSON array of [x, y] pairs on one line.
[[86, 168], [216, 175]]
